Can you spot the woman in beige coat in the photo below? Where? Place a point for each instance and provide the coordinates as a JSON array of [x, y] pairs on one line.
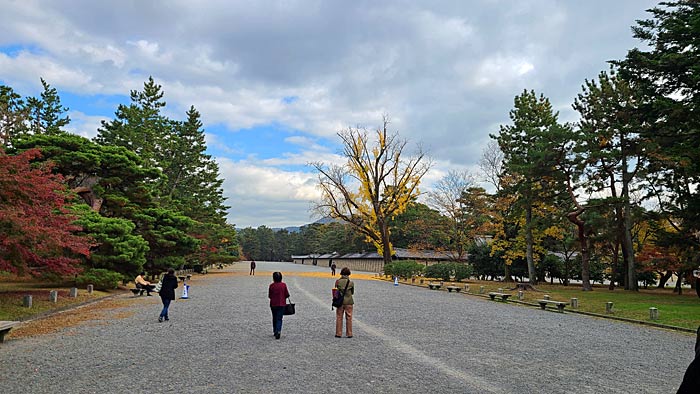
[[348, 303]]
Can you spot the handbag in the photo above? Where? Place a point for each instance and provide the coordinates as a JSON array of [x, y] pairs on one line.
[[338, 296], [290, 308], [159, 285]]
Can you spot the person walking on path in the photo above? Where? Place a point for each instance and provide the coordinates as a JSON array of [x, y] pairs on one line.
[[278, 294], [252, 267], [333, 266], [691, 379], [167, 293], [347, 287]]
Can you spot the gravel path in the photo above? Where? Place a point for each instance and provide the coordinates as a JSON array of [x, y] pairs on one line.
[[406, 340]]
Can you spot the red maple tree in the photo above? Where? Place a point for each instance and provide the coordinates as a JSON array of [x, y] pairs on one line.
[[36, 229]]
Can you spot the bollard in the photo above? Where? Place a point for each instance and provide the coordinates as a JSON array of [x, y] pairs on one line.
[[546, 297], [481, 289], [27, 301], [53, 296], [521, 295], [574, 303], [89, 289], [466, 288], [608, 307], [74, 292], [653, 313], [421, 281]]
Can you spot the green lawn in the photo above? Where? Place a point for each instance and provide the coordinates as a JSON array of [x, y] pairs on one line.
[[13, 290], [680, 311]]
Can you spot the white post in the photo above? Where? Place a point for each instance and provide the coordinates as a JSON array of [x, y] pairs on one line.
[[27, 301], [89, 289], [653, 313], [546, 296], [53, 296], [521, 295], [608, 307], [481, 289], [574, 303], [466, 288], [74, 292]]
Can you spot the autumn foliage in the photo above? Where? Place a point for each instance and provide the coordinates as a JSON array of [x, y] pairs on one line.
[[36, 230]]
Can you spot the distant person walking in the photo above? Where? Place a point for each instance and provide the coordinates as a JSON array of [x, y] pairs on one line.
[[333, 266], [167, 293], [252, 267], [691, 379], [278, 294], [347, 287]]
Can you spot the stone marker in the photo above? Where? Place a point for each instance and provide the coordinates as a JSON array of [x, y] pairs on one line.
[[545, 297], [53, 296], [500, 290], [521, 295], [608, 307], [27, 301], [89, 289], [466, 288], [574, 303], [653, 313], [74, 292], [481, 289]]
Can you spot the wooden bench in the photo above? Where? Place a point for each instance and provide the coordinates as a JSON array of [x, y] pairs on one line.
[[560, 304], [5, 327], [502, 296], [434, 286], [455, 288]]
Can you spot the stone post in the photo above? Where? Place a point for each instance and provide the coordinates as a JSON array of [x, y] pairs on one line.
[[653, 313], [74, 292], [521, 295], [27, 301], [53, 296], [500, 290], [481, 289], [608, 307], [466, 288], [574, 303], [89, 289], [545, 297]]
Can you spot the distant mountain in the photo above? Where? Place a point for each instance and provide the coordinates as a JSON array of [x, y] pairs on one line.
[[296, 229]]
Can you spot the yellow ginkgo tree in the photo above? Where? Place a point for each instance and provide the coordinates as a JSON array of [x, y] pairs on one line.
[[376, 183]]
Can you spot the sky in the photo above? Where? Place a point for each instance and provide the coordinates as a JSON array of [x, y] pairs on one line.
[[275, 81]]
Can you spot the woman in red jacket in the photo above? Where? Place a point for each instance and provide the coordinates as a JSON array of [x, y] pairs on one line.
[[278, 295]]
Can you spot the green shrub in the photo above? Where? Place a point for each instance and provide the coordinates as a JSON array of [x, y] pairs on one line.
[[100, 278], [403, 269]]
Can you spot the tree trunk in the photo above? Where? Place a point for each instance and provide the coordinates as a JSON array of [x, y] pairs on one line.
[[583, 244], [386, 244], [632, 283], [532, 275], [664, 279]]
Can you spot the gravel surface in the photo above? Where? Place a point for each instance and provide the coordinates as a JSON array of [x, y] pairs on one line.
[[406, 340]]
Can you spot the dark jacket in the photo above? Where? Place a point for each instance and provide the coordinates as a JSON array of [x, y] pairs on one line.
[[167, 289], [278, 294]]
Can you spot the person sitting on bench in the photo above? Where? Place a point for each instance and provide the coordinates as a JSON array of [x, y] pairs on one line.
[[143, 284]]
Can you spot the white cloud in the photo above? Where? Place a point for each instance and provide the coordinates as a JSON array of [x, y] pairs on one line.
[[446, 72], [501, 70], [83, 125], [255, 192]]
